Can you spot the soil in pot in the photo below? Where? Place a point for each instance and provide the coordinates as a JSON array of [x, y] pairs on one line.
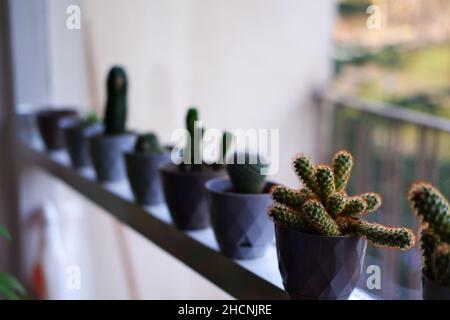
[[433, 291], [107, 155], [185, 195], [240, 222], [49, 126], [319, 267], [144, 178], [76, 135]]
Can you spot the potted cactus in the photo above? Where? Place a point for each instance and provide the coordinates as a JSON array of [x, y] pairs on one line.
[[320, 234], [142, 166], [433, 209], [238, 208], [184, 184], [76, 132], [49, 122], [106, 149]]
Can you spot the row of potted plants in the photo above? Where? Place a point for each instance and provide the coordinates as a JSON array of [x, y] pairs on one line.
[[320, 234]]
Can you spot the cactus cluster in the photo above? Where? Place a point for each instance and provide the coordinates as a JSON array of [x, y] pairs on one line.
[[245, 172], [148, 143], [116, 104], [433, 209], [323, 206], [192, 153]]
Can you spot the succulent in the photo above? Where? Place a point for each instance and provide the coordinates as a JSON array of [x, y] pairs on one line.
[[91, 118], [148, 143], [245, 175], [192, 154], [433, 209], [323, 207], [116, 105]]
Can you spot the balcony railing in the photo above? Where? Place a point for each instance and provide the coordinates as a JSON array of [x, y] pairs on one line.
[[393, 147]]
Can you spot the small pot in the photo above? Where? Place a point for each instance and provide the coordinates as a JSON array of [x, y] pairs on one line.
[[185, 196], [49, 126], [107, 155], [433, 291], [319, 267], [76, 135], [143, 175], [240, 222]]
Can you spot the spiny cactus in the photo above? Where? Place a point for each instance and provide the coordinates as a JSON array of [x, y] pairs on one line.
[[193, 159], [116, 105], [323, 207], [432, 207], [245, 172], [148, 143]]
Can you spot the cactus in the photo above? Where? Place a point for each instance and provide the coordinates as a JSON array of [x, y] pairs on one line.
[[323, 207], [193, 159], [432, 207], [148, 143], [246, 177], [116, 105]]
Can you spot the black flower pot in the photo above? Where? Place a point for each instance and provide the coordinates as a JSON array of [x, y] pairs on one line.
[[433, 291], [144, 178], [240, 221], [76, 135], [185, 196], [319, 267], [49, 126], [107, 155]]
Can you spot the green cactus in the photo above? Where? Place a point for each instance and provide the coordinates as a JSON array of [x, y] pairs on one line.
[[246, 176], [116, 105], [377, 234], [432, 207], [304, 168], [148, 143], [288, 217], [324, 207], [342, 166]]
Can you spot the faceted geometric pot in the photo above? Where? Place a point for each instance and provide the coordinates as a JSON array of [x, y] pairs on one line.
[[185, 196], [240, 221], [433, 291], [319, 267], [48, 122], [107, 155], [76, 135], [143, 175]]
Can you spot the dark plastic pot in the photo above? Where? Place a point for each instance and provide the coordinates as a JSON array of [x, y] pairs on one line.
[[107, 155], [144, 178], [319, 267], [240, 221], [76, 135], [185, 195], [49, 126], [433, 291]]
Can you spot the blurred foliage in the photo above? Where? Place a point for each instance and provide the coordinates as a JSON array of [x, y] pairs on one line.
[[353, 7]]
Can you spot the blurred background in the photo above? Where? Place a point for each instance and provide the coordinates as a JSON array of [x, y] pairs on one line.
[[372, 77]]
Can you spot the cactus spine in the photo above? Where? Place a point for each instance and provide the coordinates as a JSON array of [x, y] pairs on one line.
[[432, 207], [116, 105], [245, 173], [324, 207]]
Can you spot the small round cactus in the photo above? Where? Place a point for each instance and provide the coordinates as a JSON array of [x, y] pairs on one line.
[[148, 143], [245, 172]]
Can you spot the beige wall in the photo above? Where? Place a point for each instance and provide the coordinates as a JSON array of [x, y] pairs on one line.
[[245, 63]]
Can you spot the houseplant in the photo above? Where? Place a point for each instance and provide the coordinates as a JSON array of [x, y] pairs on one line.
[[238, 207], [10, 288], [77, 131], [48, 122], [321, 238], [433, 209], [142, 166], [106, 149], [184, 183]]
